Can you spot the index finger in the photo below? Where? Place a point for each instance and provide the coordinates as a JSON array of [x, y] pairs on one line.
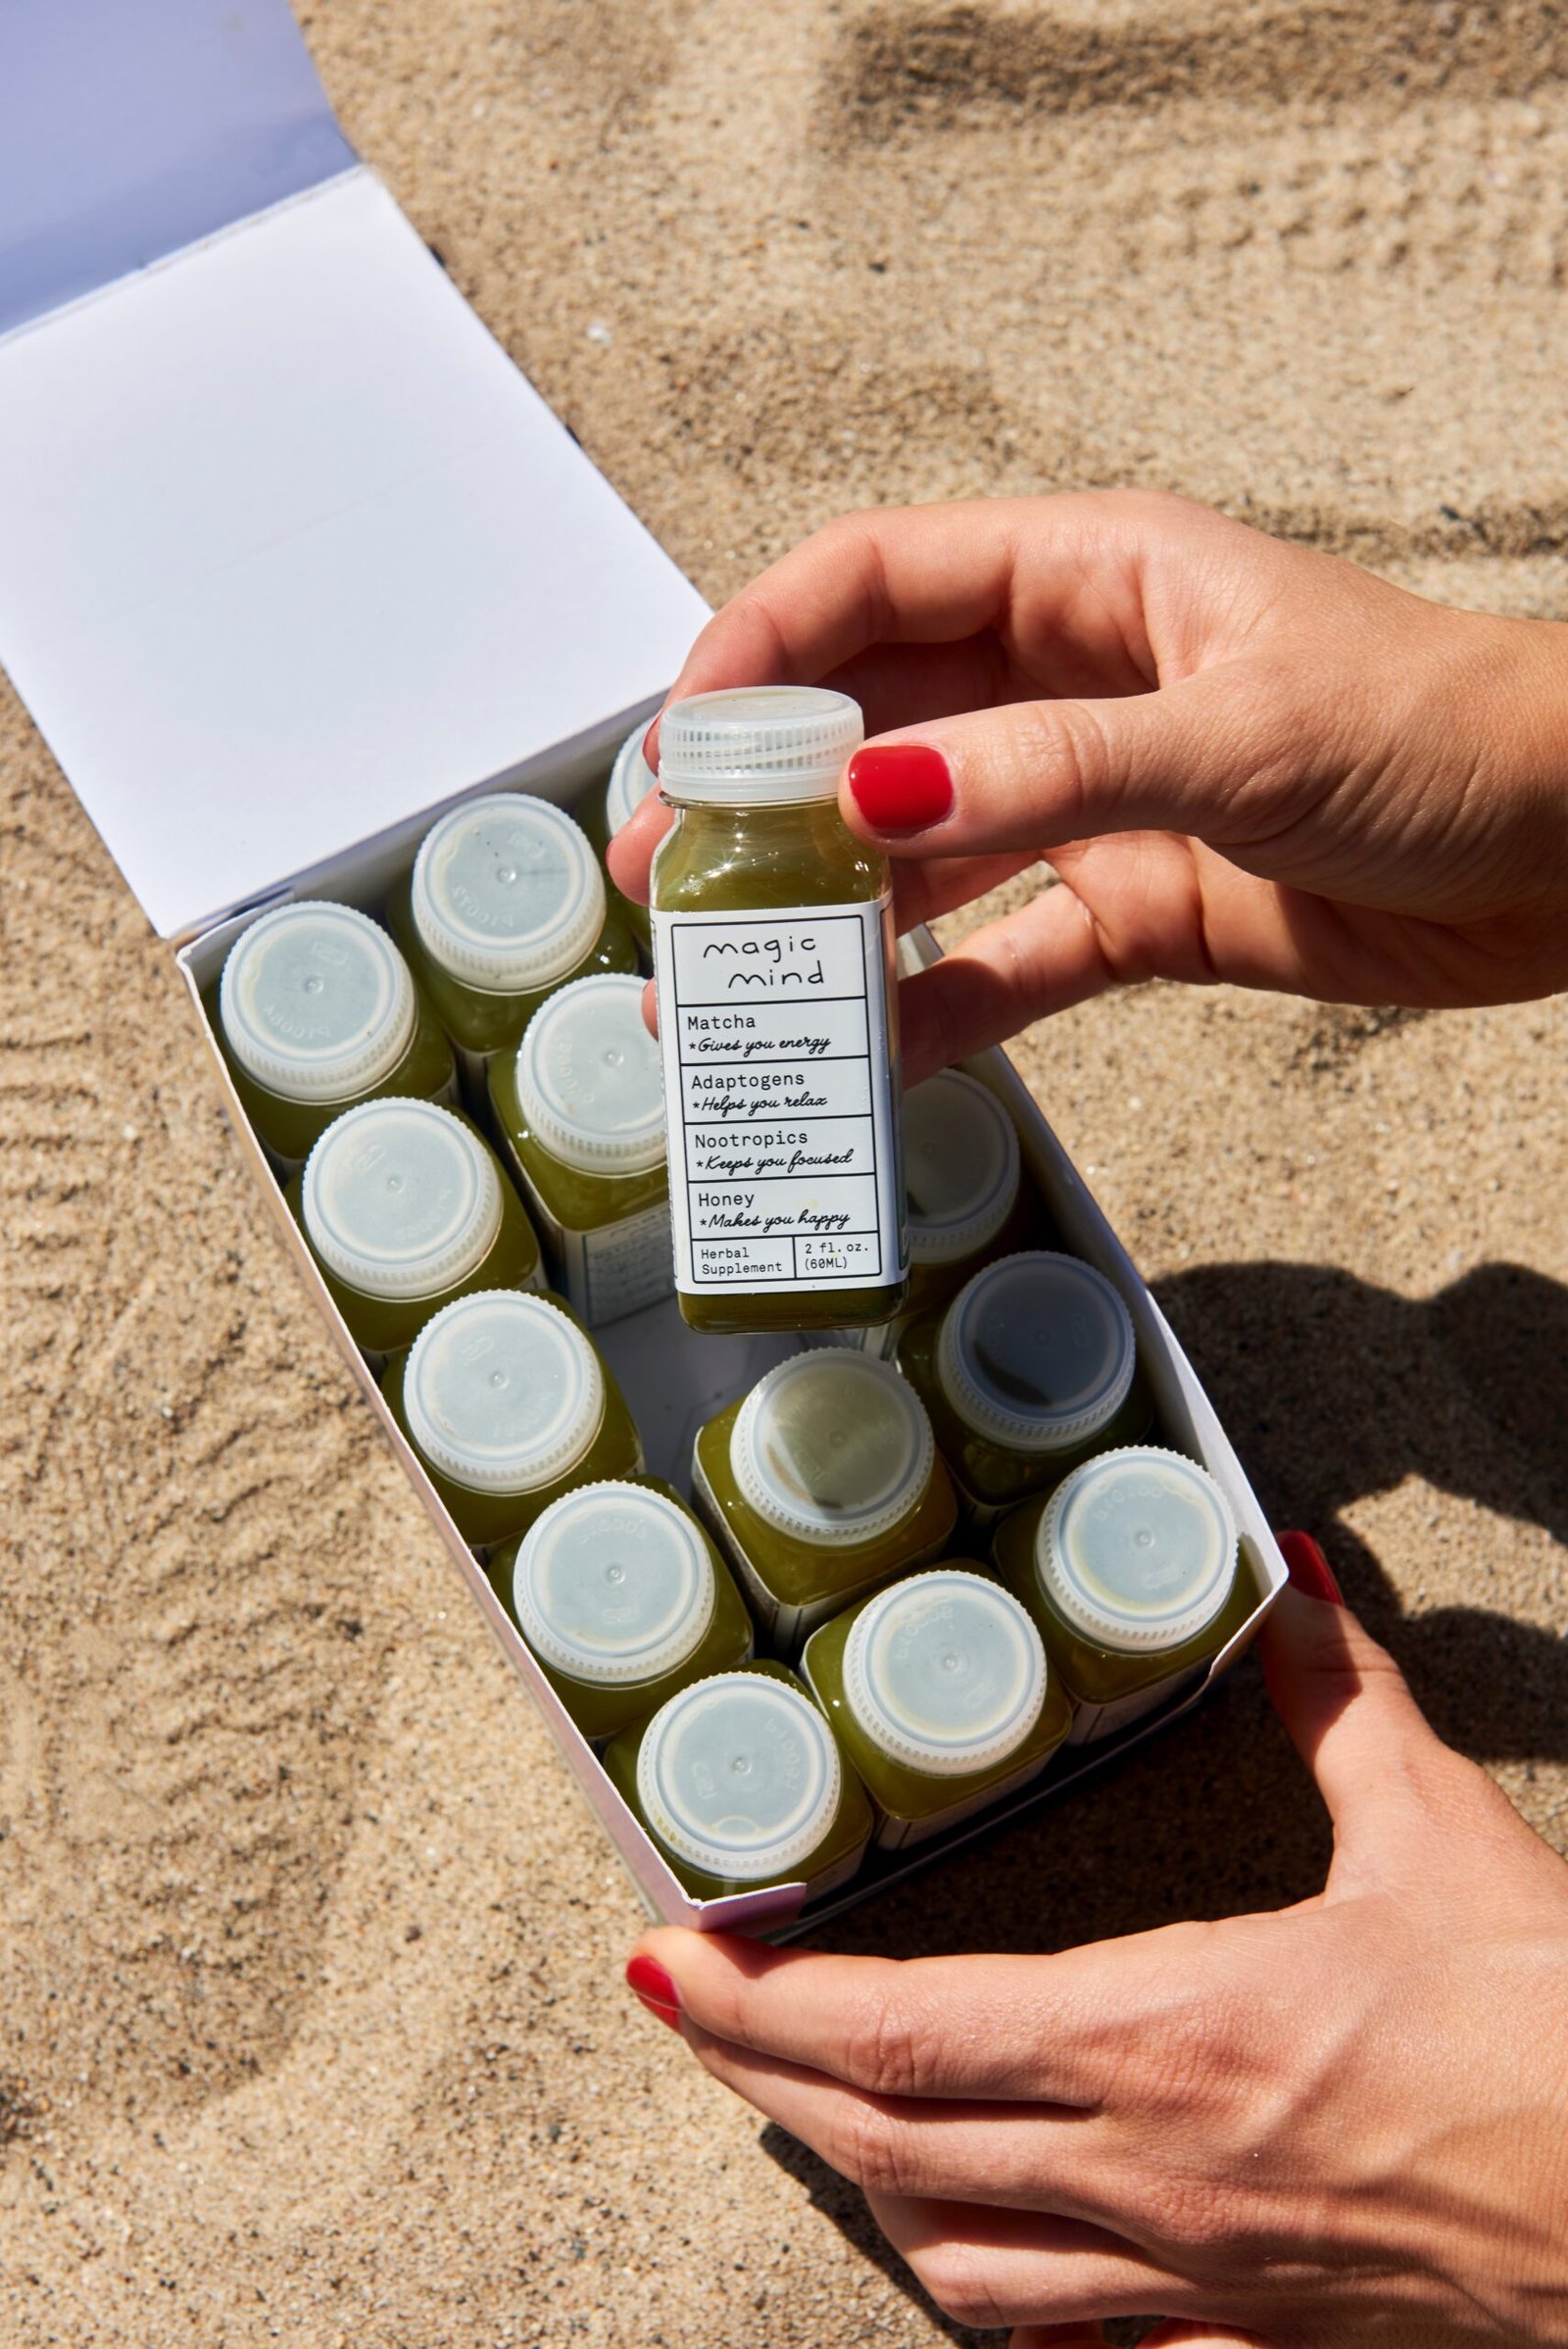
[[1059, 2029], [933, 575]]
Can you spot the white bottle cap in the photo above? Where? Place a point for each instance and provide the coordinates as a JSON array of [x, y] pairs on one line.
[[1137, 1549], [502, 1392], [631, 779], [1037, 1352], [589, 1080], [945, 1673], [740, 1776], [401, 1198], [507, 894], [614, 1585], [960, 1168], [758, 745], [831, 1447], [316, 1003]]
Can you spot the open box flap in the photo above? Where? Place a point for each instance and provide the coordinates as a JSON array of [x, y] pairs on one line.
[[291, 551], [127, 131]]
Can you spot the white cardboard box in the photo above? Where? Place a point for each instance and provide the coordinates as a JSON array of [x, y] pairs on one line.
[[291, 556]]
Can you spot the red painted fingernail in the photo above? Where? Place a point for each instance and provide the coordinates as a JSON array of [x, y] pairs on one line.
[[901, 786], [1309, 1570], [664, 2014], [652, 1985]]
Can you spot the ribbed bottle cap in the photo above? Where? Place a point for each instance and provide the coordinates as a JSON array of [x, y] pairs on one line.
[[960, 1168], [589, 1080], [613, 1584], [831, 1447], [316, 1003], [1037, 1352], [401, 1198], [759, 744], [507, 894], [740, 1776], [502, 1392], [631, 779], [945, 1673], [1137, 1549]]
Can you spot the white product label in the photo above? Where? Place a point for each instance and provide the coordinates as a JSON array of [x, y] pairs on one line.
[[620, 1268], [784, 1168]]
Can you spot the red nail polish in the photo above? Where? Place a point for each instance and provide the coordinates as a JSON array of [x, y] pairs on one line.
[[1309, 1570], [901, 786], [652, 1985], [663, 2014]]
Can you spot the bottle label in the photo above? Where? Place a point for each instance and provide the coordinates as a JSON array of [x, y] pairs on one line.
[[784, 1162]]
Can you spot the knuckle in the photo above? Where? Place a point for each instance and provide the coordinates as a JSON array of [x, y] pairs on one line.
[[870, 2148], [888, 2053], [958, 2279]]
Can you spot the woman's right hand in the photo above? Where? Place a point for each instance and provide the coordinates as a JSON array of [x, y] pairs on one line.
[[1246, 760]]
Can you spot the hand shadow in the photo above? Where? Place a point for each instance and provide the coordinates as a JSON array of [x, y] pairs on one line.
[[1331, 1389]]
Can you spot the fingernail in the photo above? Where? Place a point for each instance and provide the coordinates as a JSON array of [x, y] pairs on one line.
[[649, 1981], [901, 786], [1309, 1570], [663, 2014]]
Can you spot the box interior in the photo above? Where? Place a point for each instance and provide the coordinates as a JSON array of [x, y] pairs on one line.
[[674, 1380]]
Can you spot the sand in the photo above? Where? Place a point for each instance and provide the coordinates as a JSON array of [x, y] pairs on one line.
[[311, 2025]]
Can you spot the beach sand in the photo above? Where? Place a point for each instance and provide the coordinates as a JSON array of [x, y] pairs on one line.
[[311, 2019]]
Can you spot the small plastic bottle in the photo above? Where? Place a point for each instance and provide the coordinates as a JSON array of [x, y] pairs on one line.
[[739, 1781], [942, 1698], [967, 1201], [403, 1208], [1131, 1571], [579, 1108], [1030, 1369], [631, 779], [821, 1484], [317, 1008], [778, 1020], [620, 1593], [505, 902], [507, 1406]]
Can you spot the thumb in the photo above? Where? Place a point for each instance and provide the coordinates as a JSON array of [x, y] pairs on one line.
[[1193, 758], [1344, 1702]]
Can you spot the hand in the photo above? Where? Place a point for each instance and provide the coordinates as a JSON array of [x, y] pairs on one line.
[[1342, 2123], [1245, 760]]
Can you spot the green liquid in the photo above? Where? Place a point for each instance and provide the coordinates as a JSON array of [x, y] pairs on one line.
[[604, 1709], [1094, 1677], [482, 1023], [990, 1475], [386, 1324], [291, 1129], [576, 1202], [795, 1584], [717, 859], [486, 1518], [912, 1803], [835, 1857]]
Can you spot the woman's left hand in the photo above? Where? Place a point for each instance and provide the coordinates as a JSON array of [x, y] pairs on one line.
[[1344, 2121]]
